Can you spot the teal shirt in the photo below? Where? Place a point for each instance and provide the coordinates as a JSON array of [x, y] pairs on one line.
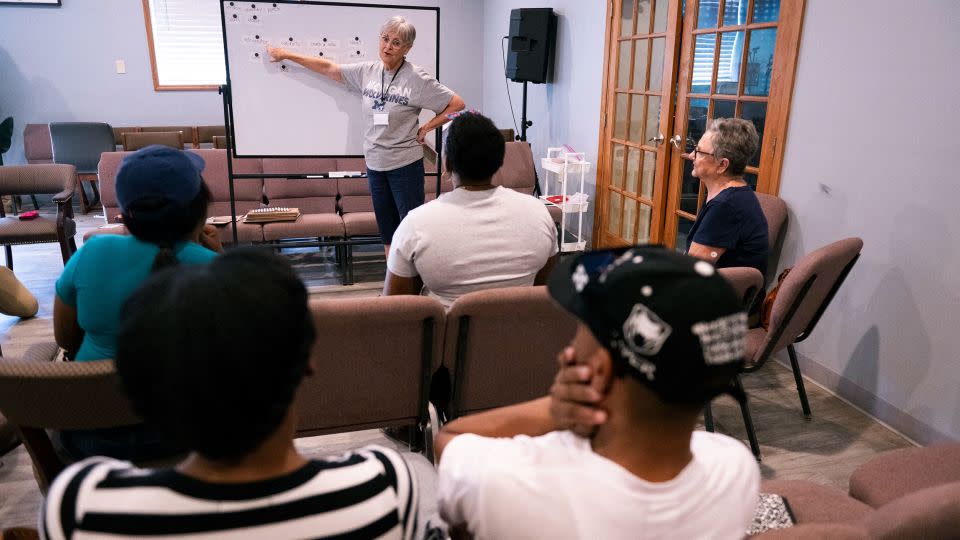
[[100, 277]]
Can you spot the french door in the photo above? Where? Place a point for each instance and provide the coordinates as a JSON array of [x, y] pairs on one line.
[[690, 61]]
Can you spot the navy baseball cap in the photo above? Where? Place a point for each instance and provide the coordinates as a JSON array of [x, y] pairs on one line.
[[670, 320], [159, 171]]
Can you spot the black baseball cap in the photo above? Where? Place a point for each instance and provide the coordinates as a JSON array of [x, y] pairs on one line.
[[670, 320]]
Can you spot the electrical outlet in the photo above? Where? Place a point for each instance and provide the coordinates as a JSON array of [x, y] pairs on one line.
[[121, 67]]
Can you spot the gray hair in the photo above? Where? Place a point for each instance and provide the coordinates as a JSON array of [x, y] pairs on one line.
[[401, 27], [735, 140]]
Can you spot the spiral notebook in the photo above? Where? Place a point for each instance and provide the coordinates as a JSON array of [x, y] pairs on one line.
[[267, 214]]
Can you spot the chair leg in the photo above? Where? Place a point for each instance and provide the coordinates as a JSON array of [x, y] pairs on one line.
[[9, 253], [799, 380], [36, 205], [708, 417], [84, 203], [94, 184], [348, 264], [748, 422]]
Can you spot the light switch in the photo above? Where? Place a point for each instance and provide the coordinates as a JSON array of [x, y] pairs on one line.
[[121, 66]]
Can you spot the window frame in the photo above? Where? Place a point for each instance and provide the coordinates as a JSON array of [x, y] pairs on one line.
[[153, 61]]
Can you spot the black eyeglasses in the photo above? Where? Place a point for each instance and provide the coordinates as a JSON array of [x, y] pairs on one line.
[[696, 151]]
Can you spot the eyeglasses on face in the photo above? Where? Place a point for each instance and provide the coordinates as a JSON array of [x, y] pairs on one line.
[[697, 151], [387, 41]]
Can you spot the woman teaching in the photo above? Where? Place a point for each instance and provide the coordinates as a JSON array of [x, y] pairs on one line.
[[394, 92]]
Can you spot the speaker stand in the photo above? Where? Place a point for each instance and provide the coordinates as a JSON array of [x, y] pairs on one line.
[[524, 123]]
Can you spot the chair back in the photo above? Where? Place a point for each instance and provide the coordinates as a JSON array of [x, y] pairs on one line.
[[805, 294], [137, 140], [187, 132], [36, 143], [746, 282], [37, 396], [219, 142], [30, 179], [206, 134], [518, 171], [80, 144], [501, 346], [775, 211], [372, 362]]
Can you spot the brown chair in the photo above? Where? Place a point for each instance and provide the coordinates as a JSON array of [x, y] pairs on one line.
[[775, 211], [896, 473], [206, 134], [136, 141], [118, 135], [37, 396], [188, 133], [501, 346], [803, 297], [373, 359], [24, 180], [746, 282], [219, 142]]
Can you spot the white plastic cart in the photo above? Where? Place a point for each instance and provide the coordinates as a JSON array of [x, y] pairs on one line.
[[567, 166]]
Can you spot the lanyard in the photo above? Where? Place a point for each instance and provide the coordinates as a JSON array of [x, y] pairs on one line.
[[383, 96]]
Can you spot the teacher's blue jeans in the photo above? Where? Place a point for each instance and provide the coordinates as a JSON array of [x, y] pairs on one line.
[[395, 193]]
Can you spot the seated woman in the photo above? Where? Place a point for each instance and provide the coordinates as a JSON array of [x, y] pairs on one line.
[[213, 355], [730, 229], [478, 236], [163, 201]]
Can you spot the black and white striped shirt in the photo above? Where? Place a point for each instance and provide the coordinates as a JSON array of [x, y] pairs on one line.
[[367, 493]]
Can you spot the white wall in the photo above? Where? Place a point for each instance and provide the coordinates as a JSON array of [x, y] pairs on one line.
[[870, 151], [57, 64], [566, 111]]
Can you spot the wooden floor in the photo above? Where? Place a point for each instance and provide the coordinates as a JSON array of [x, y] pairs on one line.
[[825, 449]]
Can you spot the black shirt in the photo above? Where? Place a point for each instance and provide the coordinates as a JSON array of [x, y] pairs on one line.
[[734, 221]]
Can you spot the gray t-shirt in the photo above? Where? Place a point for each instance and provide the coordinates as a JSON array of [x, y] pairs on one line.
[[394, 145]]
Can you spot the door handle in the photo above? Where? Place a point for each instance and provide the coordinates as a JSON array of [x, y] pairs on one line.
[[675, 140], [658, 140]]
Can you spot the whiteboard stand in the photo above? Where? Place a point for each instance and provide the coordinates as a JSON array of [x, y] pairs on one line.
[[567, 166]]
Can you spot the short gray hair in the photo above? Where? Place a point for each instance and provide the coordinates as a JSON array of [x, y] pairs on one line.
[[401, 27], [735, 140]]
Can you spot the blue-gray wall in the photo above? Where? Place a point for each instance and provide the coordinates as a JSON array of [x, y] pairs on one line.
[[57, 64]]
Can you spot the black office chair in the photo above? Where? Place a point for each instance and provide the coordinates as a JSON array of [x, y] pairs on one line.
[[80, 144]]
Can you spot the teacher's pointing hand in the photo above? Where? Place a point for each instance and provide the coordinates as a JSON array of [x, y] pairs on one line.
[[276, 53]]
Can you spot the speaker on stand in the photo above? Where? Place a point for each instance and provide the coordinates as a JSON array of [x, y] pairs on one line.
[[533, 37]]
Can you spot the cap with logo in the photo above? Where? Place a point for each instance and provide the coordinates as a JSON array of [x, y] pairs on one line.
[[160, 172], [671, 320]]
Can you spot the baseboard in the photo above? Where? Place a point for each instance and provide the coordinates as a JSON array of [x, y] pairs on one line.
[[868, 402]]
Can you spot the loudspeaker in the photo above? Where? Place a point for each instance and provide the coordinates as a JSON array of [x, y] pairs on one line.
[[533, 36]]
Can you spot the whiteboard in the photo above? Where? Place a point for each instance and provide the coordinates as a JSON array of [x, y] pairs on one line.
[[284, 109]]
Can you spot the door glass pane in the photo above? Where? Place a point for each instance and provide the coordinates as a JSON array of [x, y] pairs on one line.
[[728, 65], [707, 16], [660, 16], [649, 169], [765, 10], [613, 213], [620, 123], [636, 119], [734, 13], [683, 229], [756, 113], [751, 180], [696, 122], [616, 176], [653, 117], [656, 63], [689, 189], [703, 49], [723, 108], [630, 220], [643, 225], [640, 65], [633, 169], [623, 68], [626, 18], [760, 62], [643, 17]]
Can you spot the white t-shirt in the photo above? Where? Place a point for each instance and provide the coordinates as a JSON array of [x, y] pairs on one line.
[[555, 486], [467, 241]]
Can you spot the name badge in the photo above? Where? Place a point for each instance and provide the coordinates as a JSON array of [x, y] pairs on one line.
[[381, 119]]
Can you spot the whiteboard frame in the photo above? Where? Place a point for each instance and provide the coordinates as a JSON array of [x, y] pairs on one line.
[[227, 90]]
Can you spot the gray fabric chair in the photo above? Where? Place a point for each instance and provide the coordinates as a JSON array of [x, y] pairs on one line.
[[37, 396], [26, 179], [501, 346], [80, 144], [803, 297], [372, 359], [136, 141]]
